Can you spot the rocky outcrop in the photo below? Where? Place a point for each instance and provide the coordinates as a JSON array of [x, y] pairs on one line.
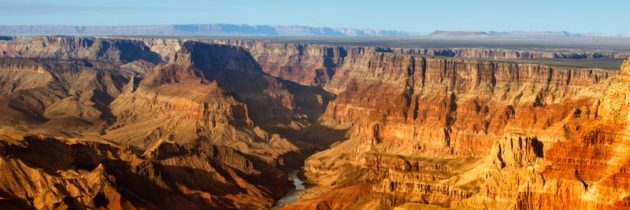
[[52, 93], [66, 47], [306, 64], [318, 61], [212, 124], [498, 53], [473, 112], [488, 124], [164, 47], [51, 174], [405, 91], [202, 102]]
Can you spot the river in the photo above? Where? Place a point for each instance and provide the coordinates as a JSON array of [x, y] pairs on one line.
[[293, 194]]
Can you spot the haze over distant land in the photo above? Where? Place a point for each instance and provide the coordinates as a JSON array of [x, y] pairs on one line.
[[521, 34], [604, 16], [265, 30], [195, 30]]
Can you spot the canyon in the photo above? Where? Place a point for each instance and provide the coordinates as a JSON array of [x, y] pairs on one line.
[[173, 123]]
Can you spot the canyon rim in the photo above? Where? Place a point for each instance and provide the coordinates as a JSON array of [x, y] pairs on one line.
[[165, 123], [132, 105]]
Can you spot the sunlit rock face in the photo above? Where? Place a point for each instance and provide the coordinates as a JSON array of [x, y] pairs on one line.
[[460, 133], [133, 128], [139, 123]]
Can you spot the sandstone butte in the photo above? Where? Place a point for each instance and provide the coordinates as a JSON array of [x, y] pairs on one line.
[[97, 123]]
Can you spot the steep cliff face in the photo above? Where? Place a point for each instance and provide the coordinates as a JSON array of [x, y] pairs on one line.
[[582, 167], [467, 124], [200, 125], [164, 47], [312, 65], [498, 53], [64, 47], [591, 162], [458, 133], [212, 124], [426, 92]]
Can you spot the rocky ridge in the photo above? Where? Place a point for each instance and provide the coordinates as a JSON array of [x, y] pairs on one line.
[[456, 133], [185, 123], [420, 131]]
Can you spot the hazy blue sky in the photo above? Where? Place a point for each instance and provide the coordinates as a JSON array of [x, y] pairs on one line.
[[604, 16]]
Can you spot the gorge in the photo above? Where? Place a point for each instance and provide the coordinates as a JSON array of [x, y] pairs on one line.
[[174, 123]]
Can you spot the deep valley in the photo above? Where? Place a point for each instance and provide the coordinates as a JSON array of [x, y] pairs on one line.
[[229, 123]]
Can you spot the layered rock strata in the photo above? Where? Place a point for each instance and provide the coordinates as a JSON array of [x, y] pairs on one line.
[[212, 124], [202, 125], [457, 133]]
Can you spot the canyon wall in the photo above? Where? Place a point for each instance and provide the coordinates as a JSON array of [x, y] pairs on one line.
[[196, 123], [215, 122], [498, 53], [457, 133]]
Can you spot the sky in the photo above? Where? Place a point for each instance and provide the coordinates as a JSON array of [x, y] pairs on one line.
[[576, 16]]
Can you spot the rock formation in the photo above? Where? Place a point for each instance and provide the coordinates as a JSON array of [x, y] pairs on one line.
[[457, 133], [188, 126], [167, 123]]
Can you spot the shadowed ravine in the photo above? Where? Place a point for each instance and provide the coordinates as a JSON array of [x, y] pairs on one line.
[[292, 196]]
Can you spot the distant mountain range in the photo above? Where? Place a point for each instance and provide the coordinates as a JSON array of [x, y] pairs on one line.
[[194, 30], [260, 30], [519, 34]]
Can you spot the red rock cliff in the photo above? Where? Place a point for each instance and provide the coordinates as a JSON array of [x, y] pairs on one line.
[[460, 133], [422, 132]]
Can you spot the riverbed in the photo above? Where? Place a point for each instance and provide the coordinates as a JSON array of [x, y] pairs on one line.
[[292, 196]]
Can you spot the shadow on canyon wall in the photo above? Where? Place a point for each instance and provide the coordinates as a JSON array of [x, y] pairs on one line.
[[275, 104], [147, 182]]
